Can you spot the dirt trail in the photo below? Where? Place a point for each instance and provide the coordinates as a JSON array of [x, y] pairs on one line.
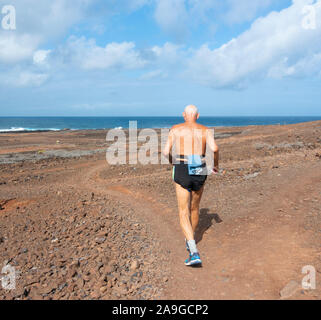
[[250, 257], [259, 221]]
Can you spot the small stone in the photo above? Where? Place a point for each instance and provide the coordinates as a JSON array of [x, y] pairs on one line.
[[251, 176], [103, 289], [62, 285], [134, 265], [100, 240], [290, 289]]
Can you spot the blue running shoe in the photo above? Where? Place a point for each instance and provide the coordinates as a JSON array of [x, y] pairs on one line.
[[193, 260]]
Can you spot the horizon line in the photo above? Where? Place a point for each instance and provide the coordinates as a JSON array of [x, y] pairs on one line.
[[158, 116]]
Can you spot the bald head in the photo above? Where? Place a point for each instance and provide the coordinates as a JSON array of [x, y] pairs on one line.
[[191, 113], [191, 110]]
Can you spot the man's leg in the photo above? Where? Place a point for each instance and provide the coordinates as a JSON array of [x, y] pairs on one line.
[[196, 197], [183, 199]]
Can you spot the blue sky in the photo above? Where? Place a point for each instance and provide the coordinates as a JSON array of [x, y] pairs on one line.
[[153, 57]]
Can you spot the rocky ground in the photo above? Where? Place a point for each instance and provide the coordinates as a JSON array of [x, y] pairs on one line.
[[75, 227], [75, 245]]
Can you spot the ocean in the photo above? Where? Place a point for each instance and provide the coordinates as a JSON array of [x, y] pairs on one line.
[[25, 124]]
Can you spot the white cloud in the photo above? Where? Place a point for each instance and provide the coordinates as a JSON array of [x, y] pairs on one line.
[[85, 53], [178, 17], [36, 22], [31, 79], [308, 66], [47, 17], [275, 45], [167, 54], [155, 74], [162, 61], [40, 57], [15, 47], [85, 56], [23, 78]]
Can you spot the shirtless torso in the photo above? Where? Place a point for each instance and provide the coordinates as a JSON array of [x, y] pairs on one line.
[[189, 138]]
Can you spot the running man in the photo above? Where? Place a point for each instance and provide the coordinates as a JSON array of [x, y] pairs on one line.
[[186, 149]]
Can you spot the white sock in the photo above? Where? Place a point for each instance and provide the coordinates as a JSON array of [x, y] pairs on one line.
[[192, 246]]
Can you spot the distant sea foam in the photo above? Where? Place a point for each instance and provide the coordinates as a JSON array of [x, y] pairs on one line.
[[14, 129]]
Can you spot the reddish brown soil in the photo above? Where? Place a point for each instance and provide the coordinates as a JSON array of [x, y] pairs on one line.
[[82, 229]]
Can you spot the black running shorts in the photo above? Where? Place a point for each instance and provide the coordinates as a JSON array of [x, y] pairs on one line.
[[188, 182]]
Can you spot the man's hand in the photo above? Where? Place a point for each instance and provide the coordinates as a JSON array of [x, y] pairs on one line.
[[215, 170]]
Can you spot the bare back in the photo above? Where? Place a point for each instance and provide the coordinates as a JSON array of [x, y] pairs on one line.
[[189, 139]]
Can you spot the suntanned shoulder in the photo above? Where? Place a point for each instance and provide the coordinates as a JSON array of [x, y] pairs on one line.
[[183, 125], [202, 127], [177, 126]]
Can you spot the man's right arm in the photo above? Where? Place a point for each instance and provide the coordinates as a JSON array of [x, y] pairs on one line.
[[168, 147]]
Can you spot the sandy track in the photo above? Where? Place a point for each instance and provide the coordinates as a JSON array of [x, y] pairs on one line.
[[251, 257], [256, 231]]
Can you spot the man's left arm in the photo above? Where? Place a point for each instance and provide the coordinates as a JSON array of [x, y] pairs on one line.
[[211, 143]]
